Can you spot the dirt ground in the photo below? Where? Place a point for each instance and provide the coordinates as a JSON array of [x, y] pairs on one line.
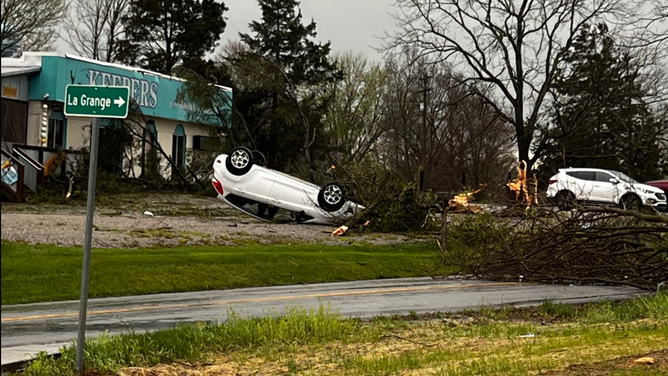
[[174, 220], [320, 361]]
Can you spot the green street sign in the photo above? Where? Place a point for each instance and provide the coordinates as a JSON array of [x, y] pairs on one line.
[[97, 101]]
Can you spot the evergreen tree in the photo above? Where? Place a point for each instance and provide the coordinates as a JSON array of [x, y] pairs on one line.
[[162, 34], [282, 39], [291, 68], [601, 116]]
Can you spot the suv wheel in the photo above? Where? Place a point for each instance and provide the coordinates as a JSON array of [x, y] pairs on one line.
[[565, 200], [330, 197], [631, 202], [240, 161]]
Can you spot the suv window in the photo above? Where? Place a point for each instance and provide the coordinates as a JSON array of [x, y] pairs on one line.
[[584, 175], [603, 177]]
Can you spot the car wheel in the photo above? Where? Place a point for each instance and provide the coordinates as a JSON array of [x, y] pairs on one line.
[[258, 158], [330, 197], [565, 200], [240, 161], [631, 202]]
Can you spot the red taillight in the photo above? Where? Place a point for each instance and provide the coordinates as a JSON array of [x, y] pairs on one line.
[[218, 185], [552, 182]]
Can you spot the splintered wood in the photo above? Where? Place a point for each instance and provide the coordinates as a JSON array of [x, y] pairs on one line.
[[460, 203], [525, 190]]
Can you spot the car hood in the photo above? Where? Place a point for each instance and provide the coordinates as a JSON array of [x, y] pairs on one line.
[[646, 187], [661, 184]]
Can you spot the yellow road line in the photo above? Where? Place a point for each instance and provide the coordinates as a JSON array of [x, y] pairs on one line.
[[257, 300]]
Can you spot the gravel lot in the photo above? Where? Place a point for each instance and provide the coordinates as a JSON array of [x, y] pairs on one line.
[[120, 222]]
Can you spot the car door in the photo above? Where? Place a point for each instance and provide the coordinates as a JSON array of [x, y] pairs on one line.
[[603, 189], [293, 194], [255, 185], [585, 188]]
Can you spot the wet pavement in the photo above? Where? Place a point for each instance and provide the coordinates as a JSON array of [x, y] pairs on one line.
[[29, 328]]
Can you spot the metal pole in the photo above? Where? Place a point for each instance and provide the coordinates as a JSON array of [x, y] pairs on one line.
[[425, 132], [90, 211]]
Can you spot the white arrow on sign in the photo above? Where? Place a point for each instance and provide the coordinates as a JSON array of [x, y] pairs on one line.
[[120, 101]]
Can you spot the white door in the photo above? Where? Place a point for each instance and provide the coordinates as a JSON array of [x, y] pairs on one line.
[[584, 189], [603, 189]]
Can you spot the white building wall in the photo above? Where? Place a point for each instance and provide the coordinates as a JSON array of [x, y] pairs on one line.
[[34, 123], [78, 136]]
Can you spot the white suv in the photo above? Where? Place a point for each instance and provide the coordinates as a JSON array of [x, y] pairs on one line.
[[599, 186]]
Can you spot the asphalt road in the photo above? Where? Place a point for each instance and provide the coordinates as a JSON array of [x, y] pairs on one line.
[[27, 329]]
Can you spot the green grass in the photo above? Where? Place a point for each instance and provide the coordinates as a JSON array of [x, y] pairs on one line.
[[192, 341], [30, 272], [319, 342]]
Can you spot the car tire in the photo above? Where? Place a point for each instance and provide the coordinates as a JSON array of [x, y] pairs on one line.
[[630, 202], [331, 197], [240, 161], [565, 200], [259, 158]]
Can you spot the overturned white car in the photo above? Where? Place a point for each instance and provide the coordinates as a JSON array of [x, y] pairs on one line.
[[248, 186]]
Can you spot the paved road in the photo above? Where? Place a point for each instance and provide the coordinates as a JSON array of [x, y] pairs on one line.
[[27, 329]]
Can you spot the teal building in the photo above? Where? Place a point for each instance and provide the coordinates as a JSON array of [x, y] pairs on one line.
[[33, 98]]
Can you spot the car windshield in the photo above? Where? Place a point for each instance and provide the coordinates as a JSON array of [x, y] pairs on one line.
[[624, 177]]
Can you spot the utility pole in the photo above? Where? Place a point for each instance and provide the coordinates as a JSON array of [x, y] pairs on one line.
[[423, 135]]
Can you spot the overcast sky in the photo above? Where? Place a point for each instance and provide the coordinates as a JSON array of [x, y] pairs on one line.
[[351, 25]]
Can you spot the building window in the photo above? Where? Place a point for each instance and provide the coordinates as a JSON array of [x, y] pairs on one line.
[[114, 140], [179, 147], [57, 131], [150, 150], [201, 143], [14, 116]]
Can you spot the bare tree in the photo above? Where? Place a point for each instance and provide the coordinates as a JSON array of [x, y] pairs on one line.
[[29, 25], [94, 27], [513, 47], [355, 120], [435, 123]]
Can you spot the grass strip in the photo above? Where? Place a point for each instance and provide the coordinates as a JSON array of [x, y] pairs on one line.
[[41, 273], [593, 341]]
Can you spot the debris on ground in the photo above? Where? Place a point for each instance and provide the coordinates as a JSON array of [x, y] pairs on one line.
[[460, 203], [340, 231]]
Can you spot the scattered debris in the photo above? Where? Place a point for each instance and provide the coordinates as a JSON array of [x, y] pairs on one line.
[[460, 203], [53, 163], [148, 213], [530, 335], [644, 360], [340, 231], [9, 174]]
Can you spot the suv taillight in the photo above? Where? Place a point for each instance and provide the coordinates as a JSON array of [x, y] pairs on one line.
[[218, 185], [552, 182]]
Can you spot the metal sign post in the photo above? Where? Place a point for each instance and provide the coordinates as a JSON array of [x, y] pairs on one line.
[[90, 211], [92, 102]]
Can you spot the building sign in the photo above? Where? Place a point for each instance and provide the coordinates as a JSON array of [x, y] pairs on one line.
[[157, 95], [145, 93], [10, 92]]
